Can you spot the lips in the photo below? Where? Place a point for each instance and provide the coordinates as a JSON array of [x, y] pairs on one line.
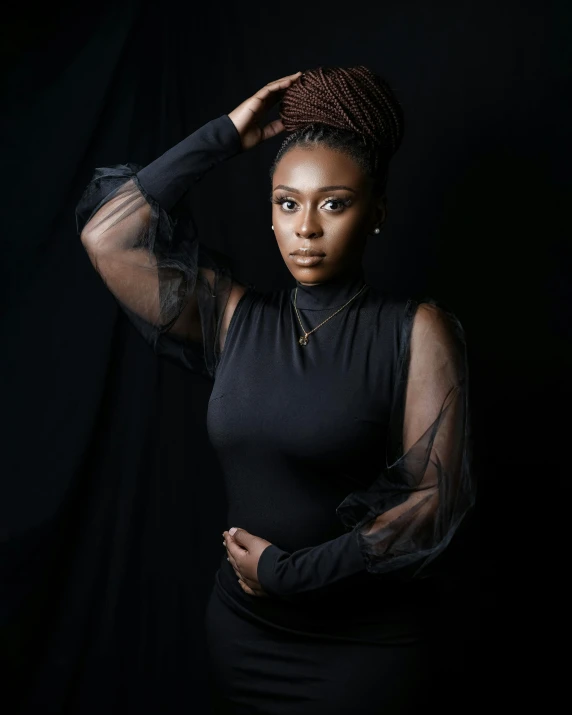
[[307, 256], [307, 260], [307, 252]]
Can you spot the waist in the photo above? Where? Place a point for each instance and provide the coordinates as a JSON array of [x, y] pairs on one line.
[[378, 613]]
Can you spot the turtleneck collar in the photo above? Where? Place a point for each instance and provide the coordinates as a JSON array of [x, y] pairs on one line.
[[330, 294]]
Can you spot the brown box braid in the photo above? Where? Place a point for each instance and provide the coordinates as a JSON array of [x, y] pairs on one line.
[[351, 109]]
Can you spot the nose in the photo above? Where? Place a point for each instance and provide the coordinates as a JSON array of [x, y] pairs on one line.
[[308, 225]]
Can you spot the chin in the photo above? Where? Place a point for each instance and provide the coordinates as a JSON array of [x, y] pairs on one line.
[[321, 273], [312, 274]]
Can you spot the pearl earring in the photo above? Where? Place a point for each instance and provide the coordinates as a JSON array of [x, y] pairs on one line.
[[376, 229], [273, 227]]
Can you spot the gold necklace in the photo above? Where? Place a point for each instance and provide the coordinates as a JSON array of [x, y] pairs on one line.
[[304, 338]]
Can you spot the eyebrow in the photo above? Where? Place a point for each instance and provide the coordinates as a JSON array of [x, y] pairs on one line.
[[322, 189]]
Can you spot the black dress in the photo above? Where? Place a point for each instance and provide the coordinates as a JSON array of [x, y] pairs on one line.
[[350, 454]]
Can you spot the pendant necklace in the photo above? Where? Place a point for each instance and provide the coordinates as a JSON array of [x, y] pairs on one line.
[[303, 340]]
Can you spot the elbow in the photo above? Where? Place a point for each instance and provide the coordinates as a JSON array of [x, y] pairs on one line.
[[93, 241], [89, 242], [89, 237]]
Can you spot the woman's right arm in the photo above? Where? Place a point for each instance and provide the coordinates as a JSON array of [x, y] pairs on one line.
[[170, 285]]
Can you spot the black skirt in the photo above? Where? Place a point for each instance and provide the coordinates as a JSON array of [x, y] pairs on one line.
[[257, 667]]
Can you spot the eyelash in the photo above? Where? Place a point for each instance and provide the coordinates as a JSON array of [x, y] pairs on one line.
[[281, 200]]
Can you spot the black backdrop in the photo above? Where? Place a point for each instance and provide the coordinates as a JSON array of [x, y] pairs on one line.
[[111, 504]]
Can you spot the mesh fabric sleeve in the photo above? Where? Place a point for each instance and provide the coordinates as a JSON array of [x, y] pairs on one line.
[[140, 236], [409, 513]]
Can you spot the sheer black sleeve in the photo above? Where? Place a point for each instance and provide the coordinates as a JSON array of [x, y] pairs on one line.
[[141, 238], [410, 512]]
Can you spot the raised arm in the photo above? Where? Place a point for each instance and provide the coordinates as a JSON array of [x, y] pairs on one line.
[[142, 240]]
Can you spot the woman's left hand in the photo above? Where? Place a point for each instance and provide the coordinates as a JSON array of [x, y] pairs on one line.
[[243, 552]]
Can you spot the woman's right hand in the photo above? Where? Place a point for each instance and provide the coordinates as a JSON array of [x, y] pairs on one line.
[[247, 116]]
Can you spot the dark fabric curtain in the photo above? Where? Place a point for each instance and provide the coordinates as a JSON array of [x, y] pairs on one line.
[[111, 504], [107, 555]]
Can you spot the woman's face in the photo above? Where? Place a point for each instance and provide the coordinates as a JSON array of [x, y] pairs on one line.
[[323, 202]]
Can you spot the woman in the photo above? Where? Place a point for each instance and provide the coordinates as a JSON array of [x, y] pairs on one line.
[[339, 413]]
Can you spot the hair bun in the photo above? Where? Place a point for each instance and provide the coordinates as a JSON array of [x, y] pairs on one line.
[[352, 98]]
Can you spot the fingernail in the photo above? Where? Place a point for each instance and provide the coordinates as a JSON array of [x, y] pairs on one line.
[[232, 531]]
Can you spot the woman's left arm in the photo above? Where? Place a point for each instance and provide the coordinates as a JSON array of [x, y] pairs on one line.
[[410, 512]]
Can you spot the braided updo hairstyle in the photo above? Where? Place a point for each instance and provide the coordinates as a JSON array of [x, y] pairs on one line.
[[348, 109]]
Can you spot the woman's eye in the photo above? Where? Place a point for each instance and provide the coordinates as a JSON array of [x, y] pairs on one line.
[[338, 204], [332, 205], [285, 204]]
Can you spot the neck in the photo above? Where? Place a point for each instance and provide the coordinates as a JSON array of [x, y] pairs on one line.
[[332, 293]]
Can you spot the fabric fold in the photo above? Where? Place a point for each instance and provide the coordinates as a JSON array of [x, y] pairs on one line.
[[409, 513]]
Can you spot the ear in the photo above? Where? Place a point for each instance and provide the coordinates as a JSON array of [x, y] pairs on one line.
[[381, 209]]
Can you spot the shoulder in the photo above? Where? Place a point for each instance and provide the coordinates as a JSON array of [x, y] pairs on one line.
[[438, 317], [425, 313], [248, 301], [435, 330], [392, 311], [385, 302], [430, 319], [269, 298]]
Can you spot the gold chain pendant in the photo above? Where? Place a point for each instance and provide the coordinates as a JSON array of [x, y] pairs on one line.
[[303, 340]]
